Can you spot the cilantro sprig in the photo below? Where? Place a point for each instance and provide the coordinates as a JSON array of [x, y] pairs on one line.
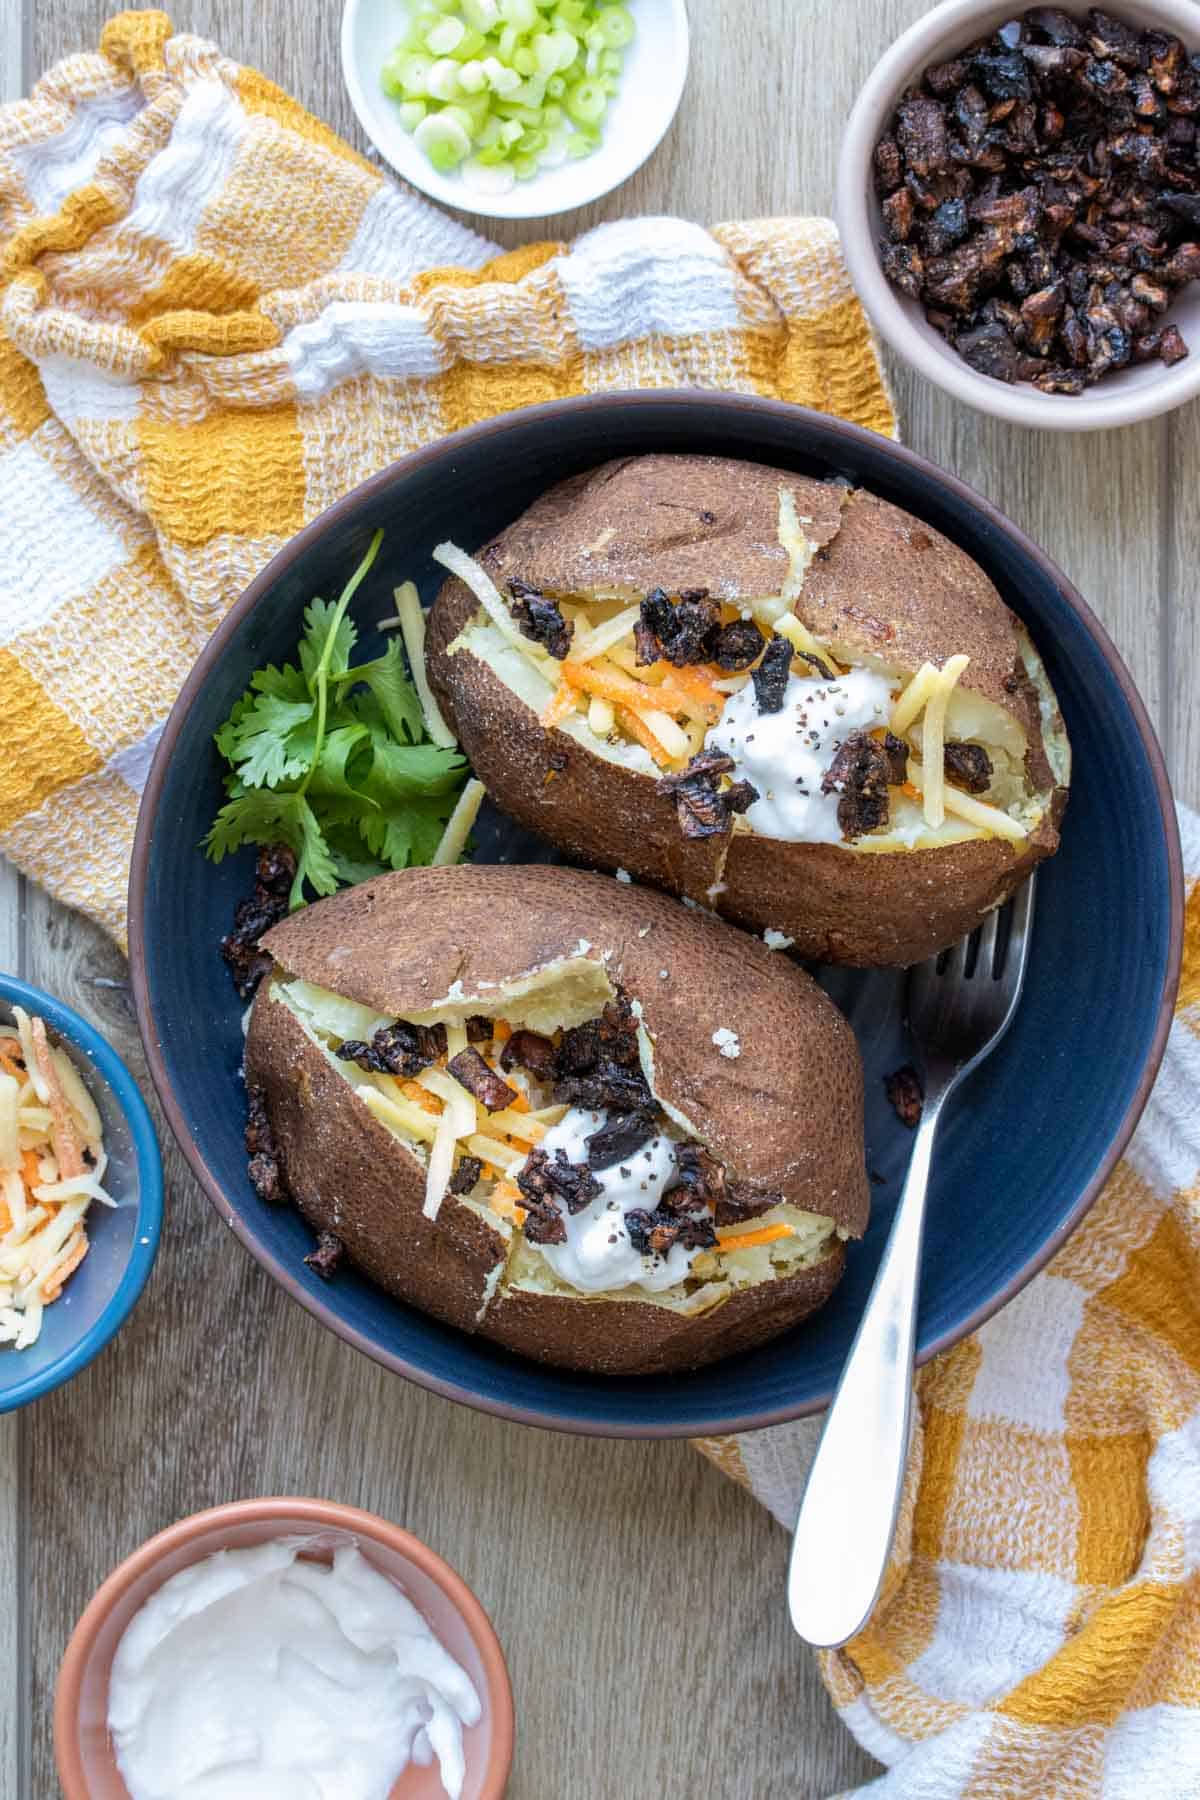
[[334, 760]]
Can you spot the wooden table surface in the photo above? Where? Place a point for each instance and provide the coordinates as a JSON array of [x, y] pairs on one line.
[[640, 1596]]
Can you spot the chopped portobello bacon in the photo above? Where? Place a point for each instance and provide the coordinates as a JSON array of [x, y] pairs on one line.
[[491, 1090], [903, 1090], [771, 676], [699, 1180], [274, 874], [737, 645], [653, 1233], [479, 1029], [266, 1176], [1041, 195], [896, 751], [703, 807], [620, 1137], [968, 766], [324, 1260], [859, 774], [823, 669], [400, 1049], [541, 619], [599, 1067], [681, 631], [543, 1181], [530, 1050], [466, 1175]]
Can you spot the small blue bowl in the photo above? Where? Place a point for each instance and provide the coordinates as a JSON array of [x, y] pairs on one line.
[[100, 1295], [1028, 1142]]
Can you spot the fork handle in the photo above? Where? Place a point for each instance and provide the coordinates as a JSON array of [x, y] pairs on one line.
[[848, 1513]]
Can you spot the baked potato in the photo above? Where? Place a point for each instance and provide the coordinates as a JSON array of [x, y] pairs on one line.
[[787, 700], [560, 1111]]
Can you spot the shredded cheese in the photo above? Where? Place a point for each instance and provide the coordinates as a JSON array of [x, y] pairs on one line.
[[933, 742], [588, 645], [601, 716], [913, 698], [799, 637], [10, 1122], [800, 548], [412, 630], [52, 1165], [400, 1114], [491, 1150], [458, 826], [972, 811], [672, 737], [474, 576]]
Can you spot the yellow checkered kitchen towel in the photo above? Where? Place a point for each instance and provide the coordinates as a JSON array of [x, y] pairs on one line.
[[215, 319]]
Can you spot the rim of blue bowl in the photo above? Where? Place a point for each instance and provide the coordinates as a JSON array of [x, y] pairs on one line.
[[599, 405], [75, 1028]]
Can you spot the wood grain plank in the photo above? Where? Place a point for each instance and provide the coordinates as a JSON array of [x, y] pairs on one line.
[[1181, 646]]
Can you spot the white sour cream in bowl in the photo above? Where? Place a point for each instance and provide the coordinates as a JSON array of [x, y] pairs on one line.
[[261, 1674]]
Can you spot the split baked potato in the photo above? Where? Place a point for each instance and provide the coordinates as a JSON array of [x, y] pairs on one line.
[[787, 700], [559, 1111]]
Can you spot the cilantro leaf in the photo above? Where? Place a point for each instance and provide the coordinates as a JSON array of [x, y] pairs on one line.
[[387, 680], [318, 618], [334, 760], [409, 833], [263, 817], [260, 742]]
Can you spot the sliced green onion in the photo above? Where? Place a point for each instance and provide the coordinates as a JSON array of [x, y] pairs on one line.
[[472, 77], [445, 37], [586, 102], [507, 86], [443, 140], [615, 25]]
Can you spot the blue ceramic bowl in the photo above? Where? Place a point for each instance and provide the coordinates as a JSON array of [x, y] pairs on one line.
[[1026, 1146], [102, 1292]]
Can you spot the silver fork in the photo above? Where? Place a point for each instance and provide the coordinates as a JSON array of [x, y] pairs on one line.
[[959, 1007]]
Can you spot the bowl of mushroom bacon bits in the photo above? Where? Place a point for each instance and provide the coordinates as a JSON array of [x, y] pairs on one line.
[[1019, 202]]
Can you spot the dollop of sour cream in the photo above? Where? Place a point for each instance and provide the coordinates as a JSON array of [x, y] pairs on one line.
[[256, 1675], [785, 754], [599, 1254]]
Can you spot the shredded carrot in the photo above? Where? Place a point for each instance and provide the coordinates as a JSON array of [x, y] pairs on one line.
[[29, 1169], [914, 793], [488, 1173], [505, 1199], [561, 702], [731, 1239], [8, 1060], [421, 1095], [66, 1268], [520, 1104], [70, 1161], [501, 1031], [696, 686], [623, 690], [5, 1219], [638, 729]]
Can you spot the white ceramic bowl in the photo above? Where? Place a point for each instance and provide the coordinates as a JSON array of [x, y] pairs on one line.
[[1122, 398], [651, 86]]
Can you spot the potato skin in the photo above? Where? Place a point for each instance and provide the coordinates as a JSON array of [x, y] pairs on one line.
[[348, 1174], [884, 584], [785, 1115], [628, 1337]]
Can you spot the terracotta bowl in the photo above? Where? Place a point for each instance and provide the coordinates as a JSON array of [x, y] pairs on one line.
[[1122, 398], [87, 1764]]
